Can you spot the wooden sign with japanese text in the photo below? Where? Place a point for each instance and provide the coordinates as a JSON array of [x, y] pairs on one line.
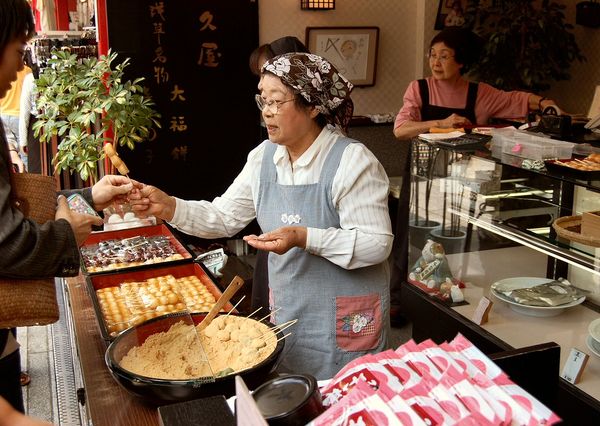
[[194, 58]]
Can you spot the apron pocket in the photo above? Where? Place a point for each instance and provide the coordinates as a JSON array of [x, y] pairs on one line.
[[358, 322]]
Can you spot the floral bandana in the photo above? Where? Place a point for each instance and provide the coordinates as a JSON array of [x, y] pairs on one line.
[[318, 81]]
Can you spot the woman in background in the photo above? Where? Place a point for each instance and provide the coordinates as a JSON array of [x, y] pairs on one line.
[[446, 99]]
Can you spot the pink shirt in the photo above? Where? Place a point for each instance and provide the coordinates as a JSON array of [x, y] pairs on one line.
[[491, 102]]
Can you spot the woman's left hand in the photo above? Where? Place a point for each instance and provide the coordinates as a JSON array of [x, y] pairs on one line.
[[280, 240]]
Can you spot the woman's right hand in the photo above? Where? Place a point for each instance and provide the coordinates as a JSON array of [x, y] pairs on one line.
[[453, 121], [151, 201], [81, 224]]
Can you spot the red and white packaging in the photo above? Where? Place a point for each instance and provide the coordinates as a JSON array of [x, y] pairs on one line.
[[442, 359], [366, 370], [425, 406], [518, 414], [446, 399], [479, 359], [463, 389], [406, 375], [361, 406], [542, 414], [401, 409], [410, 353]]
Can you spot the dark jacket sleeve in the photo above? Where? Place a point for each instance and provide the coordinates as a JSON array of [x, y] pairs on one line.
[[29, 250]]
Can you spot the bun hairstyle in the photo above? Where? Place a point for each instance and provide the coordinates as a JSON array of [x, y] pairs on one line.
[[267, 51], [466, 44]]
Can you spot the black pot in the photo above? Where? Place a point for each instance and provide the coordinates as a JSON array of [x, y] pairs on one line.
[[161, 391], [289, 400]]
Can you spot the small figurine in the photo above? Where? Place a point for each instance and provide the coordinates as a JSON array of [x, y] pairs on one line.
[[432, 267]]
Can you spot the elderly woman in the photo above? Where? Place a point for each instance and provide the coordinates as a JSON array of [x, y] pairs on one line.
[[447, 99], [321, 202]]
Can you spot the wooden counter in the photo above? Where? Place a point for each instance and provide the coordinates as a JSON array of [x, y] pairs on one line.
[[107, 403]]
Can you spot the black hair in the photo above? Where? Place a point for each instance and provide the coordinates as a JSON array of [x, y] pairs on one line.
[[16, 20], [466, 44], [321, 118], [268, 51]]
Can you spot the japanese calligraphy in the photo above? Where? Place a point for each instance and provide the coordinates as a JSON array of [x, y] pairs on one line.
[[161, 75], [206, 18], [158, 9], [209, 56], [159, 55], [178, 124], [177, 93]]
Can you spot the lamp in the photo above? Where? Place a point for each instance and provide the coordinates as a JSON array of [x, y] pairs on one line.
[[317, 4]]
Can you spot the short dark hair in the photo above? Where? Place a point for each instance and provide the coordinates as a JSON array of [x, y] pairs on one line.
[[16, 20], [466, 45], [268, 51]]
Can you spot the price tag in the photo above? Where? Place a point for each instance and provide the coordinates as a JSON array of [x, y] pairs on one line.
[[574, 366], [480, 316], [246, 410]]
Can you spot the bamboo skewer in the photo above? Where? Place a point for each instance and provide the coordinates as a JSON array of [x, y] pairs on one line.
[[235, 306], [278, 329], [271, 313], [281, 338], [259, 308]]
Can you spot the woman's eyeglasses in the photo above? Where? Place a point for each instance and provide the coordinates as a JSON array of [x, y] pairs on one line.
[[272, 106], [435, 57]]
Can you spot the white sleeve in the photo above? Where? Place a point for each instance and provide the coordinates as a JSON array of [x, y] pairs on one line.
[[228, 214], [360, 193], [25, 108]]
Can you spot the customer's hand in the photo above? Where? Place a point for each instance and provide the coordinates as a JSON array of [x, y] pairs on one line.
[[112, 188], [280, 240], [10, 416], [16, 159], [81, 224], [453, 120], [151, 201]]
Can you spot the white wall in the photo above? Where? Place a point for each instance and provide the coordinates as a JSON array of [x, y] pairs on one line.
[[405, 29], [400, 22]]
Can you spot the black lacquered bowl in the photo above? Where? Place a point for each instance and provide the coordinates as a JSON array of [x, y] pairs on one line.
[[161, 391]]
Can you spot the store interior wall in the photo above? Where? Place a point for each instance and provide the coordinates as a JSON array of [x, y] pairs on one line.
[[406, 27]]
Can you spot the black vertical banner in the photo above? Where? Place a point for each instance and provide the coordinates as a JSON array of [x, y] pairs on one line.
[[193, 55]]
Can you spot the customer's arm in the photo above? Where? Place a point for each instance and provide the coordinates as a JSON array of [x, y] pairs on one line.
[[11, 417]]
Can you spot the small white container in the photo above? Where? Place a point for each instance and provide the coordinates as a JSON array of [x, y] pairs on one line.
[[526, 145]]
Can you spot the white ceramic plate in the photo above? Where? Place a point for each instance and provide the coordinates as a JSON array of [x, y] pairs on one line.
[[594, 330], [593, 345], [534, 311]]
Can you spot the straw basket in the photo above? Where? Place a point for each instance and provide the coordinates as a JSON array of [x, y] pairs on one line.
[[30, 302]]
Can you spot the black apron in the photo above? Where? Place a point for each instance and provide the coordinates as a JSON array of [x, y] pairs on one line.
[[434, 112], [400, 249]]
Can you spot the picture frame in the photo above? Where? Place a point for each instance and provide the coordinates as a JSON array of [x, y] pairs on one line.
[[352, 50], [451, 13]]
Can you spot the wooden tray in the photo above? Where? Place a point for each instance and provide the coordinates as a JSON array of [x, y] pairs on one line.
[[569, 227]]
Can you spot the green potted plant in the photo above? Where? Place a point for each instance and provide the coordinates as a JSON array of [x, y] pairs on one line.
[[528, 43], [79, 101]]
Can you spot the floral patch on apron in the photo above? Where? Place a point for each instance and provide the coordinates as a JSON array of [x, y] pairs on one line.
[[358, 322]]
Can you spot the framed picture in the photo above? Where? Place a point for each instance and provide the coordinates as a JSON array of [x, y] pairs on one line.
[[353, 50], [451, 13]]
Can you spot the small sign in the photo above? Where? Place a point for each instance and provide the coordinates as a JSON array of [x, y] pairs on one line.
[[480, 316], [246, 410], [574, 366]]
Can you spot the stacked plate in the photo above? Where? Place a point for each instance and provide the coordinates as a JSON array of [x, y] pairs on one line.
[[535, 311], [593, 339]]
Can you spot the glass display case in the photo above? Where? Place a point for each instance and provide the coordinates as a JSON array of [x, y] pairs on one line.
[[493, 216]]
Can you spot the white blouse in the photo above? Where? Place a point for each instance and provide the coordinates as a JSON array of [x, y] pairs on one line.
[[359, 190]]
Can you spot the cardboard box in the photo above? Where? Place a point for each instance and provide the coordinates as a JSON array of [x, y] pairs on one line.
[[590, 224]]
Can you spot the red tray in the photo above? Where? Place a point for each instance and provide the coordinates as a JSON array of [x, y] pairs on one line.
[[97, 282], [144, 231]]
